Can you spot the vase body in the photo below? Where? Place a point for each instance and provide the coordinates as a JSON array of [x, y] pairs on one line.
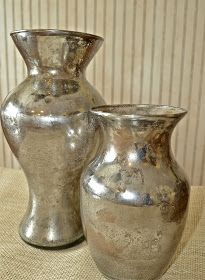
[[134, 196], [45, 123]]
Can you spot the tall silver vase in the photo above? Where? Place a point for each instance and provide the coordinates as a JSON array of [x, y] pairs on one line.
[[45, 123], [134, 195]]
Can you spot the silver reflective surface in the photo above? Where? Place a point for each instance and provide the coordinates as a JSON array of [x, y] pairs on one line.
[[46, 125], [134, 196]]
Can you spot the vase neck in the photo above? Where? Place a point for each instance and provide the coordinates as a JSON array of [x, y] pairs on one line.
[[137, 130], [151, 137], [55, 51]]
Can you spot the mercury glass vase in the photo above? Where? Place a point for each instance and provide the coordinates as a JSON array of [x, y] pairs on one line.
[[134, 195], [45, 123]]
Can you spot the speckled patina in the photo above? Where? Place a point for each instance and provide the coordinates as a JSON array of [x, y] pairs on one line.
[[134, 196], [45, 122]]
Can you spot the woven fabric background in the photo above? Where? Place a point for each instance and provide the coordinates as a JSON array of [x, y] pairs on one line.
[[19, 261], [154, 52]]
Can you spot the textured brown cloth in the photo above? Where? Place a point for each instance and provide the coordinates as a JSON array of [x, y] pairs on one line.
[[21, 261]]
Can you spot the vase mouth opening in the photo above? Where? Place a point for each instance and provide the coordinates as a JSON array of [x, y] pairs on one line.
[[56, 32], [138, 111]]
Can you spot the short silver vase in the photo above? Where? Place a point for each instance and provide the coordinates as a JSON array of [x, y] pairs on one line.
[[45, 123], [134, 195]]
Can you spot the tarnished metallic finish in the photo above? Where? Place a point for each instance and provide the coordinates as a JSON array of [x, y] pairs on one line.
[[45, 122], [134, 196]]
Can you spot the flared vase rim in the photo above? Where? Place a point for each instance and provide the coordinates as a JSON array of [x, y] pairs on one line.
[[142, 111], [57, 32]]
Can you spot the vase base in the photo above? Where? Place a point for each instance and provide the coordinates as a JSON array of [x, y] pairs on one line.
[[55, 247], [111, 278], [114, 278]]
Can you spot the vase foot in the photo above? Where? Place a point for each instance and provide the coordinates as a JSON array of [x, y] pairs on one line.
[[111, 278], [55, 247], [115, 278]]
